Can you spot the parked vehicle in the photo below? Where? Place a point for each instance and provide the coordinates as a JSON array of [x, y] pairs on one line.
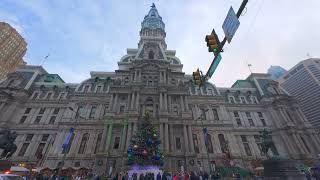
[[10, 177]]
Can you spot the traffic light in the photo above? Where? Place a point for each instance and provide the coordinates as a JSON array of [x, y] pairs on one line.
[[213, 42], [197, 77]]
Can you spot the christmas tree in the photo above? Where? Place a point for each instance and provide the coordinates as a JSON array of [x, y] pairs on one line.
[[144, 147]]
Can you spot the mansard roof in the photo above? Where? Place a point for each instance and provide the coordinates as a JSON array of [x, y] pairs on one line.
[[153, 20]]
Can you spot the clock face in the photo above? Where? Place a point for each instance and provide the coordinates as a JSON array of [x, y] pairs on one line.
[[153, 23]]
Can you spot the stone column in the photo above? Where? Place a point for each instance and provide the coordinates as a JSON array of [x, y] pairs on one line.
[[166, 101], [302, 115], [109, 137], [284, 116], [123, 137], [129, 102], [134, 127], [182, 104], [190, 139], [160, 100], [91, 142], [161, 135], [185, 135], [232, 144], [202, 145], [76, 142], [317, 140], [288, 140], [58, 142], [166, 137], [312, 143], [135, 75], [111, 102], [171, 137], [169, 105], [103, 140], [115, 104], [186, 103], [161, 79], [217, 143], [129, 134], [137, 100], [303, 145], [1, 105], [132, 100], [298, 144]]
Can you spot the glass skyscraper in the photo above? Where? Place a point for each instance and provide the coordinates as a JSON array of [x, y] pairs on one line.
[[303, 82]]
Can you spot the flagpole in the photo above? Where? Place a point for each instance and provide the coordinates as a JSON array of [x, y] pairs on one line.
[[249, 65], [44, 59]]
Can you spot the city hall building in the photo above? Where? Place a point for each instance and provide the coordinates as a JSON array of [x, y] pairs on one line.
[[106, 109]]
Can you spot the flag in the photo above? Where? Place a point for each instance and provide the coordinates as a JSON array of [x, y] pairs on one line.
[[205, 133]]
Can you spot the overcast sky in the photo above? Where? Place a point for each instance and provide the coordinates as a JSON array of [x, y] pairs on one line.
[[92, 35]]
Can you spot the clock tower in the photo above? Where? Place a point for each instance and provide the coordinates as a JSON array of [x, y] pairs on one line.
[[152, 28]]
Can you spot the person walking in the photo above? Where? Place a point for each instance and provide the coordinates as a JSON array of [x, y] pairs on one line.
[[158, 176], [175, 177], [186, 176]]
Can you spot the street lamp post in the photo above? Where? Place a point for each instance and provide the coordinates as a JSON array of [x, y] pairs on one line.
[[205, 133], [66, 146]]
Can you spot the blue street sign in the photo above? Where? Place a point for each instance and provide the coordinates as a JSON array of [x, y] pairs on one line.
[[230, 24], [68, 138], [214, 66]]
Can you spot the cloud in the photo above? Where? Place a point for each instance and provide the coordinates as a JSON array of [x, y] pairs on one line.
[[88, 35], [12, 20]]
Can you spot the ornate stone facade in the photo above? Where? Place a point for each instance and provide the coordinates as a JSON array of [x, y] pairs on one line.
[[42, 108]]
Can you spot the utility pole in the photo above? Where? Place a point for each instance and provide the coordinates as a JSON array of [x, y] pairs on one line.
[[229, 26], [242, 6]]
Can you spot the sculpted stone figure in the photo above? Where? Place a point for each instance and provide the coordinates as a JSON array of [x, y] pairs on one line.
[[7, 143]]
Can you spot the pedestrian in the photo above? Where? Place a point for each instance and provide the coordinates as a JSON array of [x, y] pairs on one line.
[[192, 176], [141, 177], [205, 176], [158, 176], [169, 177], [175, 177], [164, 176], [115, 177], [134, 176], [186, 176]]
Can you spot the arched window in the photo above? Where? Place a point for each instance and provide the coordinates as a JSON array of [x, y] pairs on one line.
[[83, 143], [209, 144], [98, 143], [223, 143], [151, 55]]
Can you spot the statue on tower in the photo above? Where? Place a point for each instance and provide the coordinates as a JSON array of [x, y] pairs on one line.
[[266, 139], [7, 139]]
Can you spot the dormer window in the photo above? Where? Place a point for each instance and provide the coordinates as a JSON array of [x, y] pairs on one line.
[[86, 88], [254, 99], [232, 100], [243, 99]]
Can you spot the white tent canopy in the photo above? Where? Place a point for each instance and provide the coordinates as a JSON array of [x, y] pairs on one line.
[[18, 169]]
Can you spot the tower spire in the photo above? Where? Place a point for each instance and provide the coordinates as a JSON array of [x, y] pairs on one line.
[[153, 28]]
